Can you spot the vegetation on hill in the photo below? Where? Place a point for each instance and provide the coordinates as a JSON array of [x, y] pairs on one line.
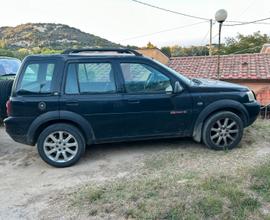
[[45, 38], [52, 36], [239, 45]]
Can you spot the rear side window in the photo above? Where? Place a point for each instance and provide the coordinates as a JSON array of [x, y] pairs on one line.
[[36, 78], [90, 78]]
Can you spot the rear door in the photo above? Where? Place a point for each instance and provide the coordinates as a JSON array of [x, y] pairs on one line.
[[91, 90]]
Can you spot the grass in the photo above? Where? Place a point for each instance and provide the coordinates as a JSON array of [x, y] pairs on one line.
[[145, 198], [240, 203], [256, 133], [164, 191], [167, 197], [260, 181], [210, 206]]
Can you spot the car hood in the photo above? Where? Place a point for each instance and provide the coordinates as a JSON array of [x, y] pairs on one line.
[[218, 86]]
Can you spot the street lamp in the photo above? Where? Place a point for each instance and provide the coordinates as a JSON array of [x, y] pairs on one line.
[[220, 17]]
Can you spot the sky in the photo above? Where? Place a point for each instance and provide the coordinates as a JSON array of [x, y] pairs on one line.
[[127, 22]]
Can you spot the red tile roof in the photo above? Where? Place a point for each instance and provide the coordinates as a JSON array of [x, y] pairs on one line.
[[242, 66]]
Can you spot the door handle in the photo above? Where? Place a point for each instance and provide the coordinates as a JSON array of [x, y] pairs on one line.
[[72, 103], [133, 101]]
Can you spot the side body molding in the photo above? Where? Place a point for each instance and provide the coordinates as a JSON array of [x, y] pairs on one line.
[[215, 106]]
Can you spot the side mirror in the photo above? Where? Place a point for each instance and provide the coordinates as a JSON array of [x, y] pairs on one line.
[[177, 87]]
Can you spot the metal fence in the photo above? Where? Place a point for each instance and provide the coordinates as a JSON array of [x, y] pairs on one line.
[[265, 112]]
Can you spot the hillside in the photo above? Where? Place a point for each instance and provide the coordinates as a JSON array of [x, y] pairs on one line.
[[49, 35]]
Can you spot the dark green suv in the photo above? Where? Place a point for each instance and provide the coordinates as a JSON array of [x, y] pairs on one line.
[[64, 102]]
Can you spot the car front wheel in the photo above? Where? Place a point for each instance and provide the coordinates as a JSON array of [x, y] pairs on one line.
[[61, 145], [223, 130]]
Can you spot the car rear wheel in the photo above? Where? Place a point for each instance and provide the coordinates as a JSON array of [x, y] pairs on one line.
[[223, 130], [61, 145]]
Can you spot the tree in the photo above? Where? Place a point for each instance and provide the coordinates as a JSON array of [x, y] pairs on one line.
[[150, 46], [245, 44], [132, 47], [3, 44], [178, 51], [6, 53], [22, 53], [166, 51]]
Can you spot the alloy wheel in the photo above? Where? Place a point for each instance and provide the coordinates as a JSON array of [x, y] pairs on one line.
[[60, 146], [224, 132]]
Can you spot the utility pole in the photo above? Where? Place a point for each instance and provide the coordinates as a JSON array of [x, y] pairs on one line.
[[219, 44], [210, 40]]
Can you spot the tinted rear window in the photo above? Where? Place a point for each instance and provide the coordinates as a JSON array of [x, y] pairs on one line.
[[36, 78], [90, 78]]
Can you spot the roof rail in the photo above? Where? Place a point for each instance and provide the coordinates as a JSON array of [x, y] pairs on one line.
[[117, 50]]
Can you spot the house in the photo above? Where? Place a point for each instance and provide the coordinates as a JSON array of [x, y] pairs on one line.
[[251, 70], [265, 48], [155, 53]]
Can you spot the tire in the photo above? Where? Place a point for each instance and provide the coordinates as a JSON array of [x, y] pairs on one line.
[[222, 131], [53, 149], [5, 91]]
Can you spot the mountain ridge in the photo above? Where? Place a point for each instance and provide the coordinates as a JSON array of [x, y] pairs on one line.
[[50, 35]]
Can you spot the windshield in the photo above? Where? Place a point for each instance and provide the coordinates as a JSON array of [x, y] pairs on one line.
[[9, 66], [177, 74]]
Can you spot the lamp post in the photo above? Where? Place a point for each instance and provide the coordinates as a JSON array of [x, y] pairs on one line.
[[220, 17]]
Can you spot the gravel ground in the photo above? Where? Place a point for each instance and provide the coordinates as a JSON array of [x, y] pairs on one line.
[[28, 186]]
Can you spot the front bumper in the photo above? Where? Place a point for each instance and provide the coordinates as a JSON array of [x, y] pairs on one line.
[[253, 109]]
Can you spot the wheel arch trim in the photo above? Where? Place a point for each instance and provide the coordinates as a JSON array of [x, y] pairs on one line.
[[60, 117], [214, 107]]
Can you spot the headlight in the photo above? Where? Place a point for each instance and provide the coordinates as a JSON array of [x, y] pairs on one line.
[[251, 96]]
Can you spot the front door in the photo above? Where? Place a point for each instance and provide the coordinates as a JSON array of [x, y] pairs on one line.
[[151, 108]]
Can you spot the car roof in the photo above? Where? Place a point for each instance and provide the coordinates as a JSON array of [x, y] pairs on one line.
[[9, 58], [66, 57], [91, 53]]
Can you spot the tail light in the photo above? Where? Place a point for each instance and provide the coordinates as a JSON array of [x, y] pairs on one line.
[[8, 106]]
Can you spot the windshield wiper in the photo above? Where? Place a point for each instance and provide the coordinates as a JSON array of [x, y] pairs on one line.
[[8, 74], [27, 92]]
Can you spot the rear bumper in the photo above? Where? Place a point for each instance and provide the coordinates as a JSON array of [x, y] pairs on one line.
[[253, 109], [17, 128]]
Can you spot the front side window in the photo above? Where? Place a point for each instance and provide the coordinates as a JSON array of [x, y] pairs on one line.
[[90, 78], [37, 78], [141, 78]]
